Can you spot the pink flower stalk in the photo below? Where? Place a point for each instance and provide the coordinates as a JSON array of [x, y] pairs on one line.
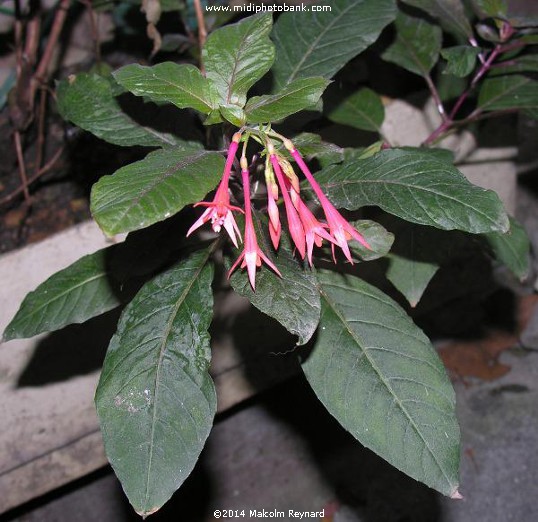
[[291, 180], [314, 230], [294, 221], [252, 256], [339, 227], [219, 210]]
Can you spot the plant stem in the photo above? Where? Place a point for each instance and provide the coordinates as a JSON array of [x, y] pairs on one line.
[[449, 121], [40, 74], [202, 31], [37, 175], [94, 29], [40, 130], [435, 95], [22, 167]]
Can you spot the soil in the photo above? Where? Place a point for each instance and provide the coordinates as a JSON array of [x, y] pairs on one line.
[[60, 198]]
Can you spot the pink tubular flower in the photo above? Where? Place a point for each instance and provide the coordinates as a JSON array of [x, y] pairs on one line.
[[219, 210], [314, 230], [294, 222], [340, 229], [275, 228], [252, 256]]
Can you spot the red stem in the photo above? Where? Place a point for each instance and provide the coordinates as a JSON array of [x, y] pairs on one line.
[[449, 121]]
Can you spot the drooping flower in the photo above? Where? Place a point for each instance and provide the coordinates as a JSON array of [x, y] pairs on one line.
[[314, 230], [295, 226], [340, 229], [252, 256], [219, 211], [275, 227]]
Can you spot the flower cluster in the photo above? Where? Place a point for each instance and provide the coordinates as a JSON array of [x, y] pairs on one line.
[[304, 228]]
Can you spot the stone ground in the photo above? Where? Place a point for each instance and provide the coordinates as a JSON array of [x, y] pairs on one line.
[[283, 451]]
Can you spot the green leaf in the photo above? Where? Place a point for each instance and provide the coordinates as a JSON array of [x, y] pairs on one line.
[[362, 110], [461, 60], [377, 236], [183, 85], [234, 114], [293, 299], [512, 249], [321, 43], [9, 82], [155, 188], [155, 399], [450, 13], [417, 187], [238, 55], [491, 8], [296, 96], [417, 44], [380, 377], [83, 290], [410, 276], [508, 92], [88, 101]]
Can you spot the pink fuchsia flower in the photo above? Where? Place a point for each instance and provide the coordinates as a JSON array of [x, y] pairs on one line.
[[275, 228], [219, 211], [340, 229], [252, 256], [294, 221], [314, 230]]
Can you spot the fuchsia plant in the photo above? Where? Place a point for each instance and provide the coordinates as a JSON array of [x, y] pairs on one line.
[[369, 364]]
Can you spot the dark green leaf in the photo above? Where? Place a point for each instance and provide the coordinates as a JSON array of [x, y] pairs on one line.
[[512, 249], [88, 101], [381, 378], [450, 13], [293, 299], [508, 92], [532, 113], [155, 188], [522, 14], [417, 187], [461, 60], [296, 96], [183, 85], [417, 44], [155, 399], [417, 254], [362, 110], [238, 55], [523, 64], [491, 8], [410, 276], [321, 43], [311, 146], [75, 294]]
